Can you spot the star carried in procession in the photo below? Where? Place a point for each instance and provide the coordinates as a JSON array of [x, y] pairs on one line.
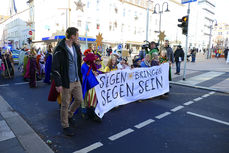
[[162, 36], [99, 39], [79, 5]]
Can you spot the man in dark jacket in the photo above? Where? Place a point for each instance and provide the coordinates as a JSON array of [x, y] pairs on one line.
[[170, 57], [179, 56], [66, 72]]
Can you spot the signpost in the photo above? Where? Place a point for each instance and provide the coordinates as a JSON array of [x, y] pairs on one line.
[[186, 46], [187, 1], [30, 32]]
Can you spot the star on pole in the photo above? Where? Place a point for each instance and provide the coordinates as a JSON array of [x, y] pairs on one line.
[[98, 41], [79, 5], [162, 36]]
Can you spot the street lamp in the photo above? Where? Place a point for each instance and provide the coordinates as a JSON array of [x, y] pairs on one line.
[[210, 37], [161, 11], [147, 20]]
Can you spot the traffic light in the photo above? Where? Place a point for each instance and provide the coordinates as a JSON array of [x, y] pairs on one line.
[[184, 24], [29, 40]]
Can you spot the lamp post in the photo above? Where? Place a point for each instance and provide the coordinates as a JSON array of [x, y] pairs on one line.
[[210, 37], [147, 20], [161, 11]]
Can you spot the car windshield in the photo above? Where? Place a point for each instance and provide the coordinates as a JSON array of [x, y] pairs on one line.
[[16, 51]]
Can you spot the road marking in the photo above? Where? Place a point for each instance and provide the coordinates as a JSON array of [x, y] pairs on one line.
[[208, 118], [188, 103], [211, 93], [198, 99], [21, 83], [120, 134], [206, 95], [90, 148], [177, 108], [142, 124], [4, 85], [5, 131], [163, 115]]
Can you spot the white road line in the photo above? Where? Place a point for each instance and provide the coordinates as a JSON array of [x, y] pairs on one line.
[[142, 124], [21, 83], [90, 148], [208, 118], [120, 134], [198, 99], [163, 115], [177, 108], [206, 95], [212, 92], [4, 85], [188, 103]]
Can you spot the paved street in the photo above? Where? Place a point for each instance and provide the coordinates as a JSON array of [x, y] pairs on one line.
[[190, 120]]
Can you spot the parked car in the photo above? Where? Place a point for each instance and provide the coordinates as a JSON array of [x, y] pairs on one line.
[[15, 55]]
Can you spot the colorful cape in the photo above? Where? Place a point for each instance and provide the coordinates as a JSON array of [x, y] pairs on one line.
[[48, 66], [89, 79]]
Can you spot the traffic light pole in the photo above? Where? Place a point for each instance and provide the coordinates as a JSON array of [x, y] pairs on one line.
[[186, 45]]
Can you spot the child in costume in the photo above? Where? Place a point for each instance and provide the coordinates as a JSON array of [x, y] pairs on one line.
[[112, 64], [32, 69], [89, 71]]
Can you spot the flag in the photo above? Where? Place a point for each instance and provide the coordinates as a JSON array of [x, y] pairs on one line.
[[89, 79], [14, 6]]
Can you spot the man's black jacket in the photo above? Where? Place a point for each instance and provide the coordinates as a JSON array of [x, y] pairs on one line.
[[60, 65], [179, 53]]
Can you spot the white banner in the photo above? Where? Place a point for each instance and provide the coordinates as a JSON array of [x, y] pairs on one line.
[[124, 86]]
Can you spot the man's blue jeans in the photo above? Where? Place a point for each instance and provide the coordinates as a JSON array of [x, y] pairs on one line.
[[177, 67]]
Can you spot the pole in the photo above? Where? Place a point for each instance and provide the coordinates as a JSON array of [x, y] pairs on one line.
[[66, 19], [147, 21], [86, 35], [160, 22], [209, 47], [186, 45], [69, 13]]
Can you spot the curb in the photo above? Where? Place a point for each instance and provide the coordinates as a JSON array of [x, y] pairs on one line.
[[28, 138], [199, 87]]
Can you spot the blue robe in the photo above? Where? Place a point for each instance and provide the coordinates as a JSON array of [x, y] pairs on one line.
[[48, 66], [89, 79]]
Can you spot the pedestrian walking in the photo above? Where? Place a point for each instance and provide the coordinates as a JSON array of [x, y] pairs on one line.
[[66, 71], [179, 57], [226, 53]]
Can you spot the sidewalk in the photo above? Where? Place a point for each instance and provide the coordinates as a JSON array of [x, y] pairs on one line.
[[16, 136], [207, 73]]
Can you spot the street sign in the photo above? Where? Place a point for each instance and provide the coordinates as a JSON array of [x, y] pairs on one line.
[[30, 32], [187, 1]]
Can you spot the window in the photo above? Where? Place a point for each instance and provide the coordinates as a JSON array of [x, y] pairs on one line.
[[220, 33], [88, 4], [124, 12], [79, 23], [97, 26]]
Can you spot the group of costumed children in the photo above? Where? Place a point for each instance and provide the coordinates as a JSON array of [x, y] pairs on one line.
[[35, 66]]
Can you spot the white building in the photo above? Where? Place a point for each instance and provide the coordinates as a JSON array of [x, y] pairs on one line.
[[16, 32], [121, 21]]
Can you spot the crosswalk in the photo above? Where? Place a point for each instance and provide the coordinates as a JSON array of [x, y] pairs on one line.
[[201, 78], [5, 131]]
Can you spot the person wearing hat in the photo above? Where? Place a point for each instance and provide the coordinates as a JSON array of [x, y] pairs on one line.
[[89, 71], [32, 68], [179, 57], [136, 62]]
